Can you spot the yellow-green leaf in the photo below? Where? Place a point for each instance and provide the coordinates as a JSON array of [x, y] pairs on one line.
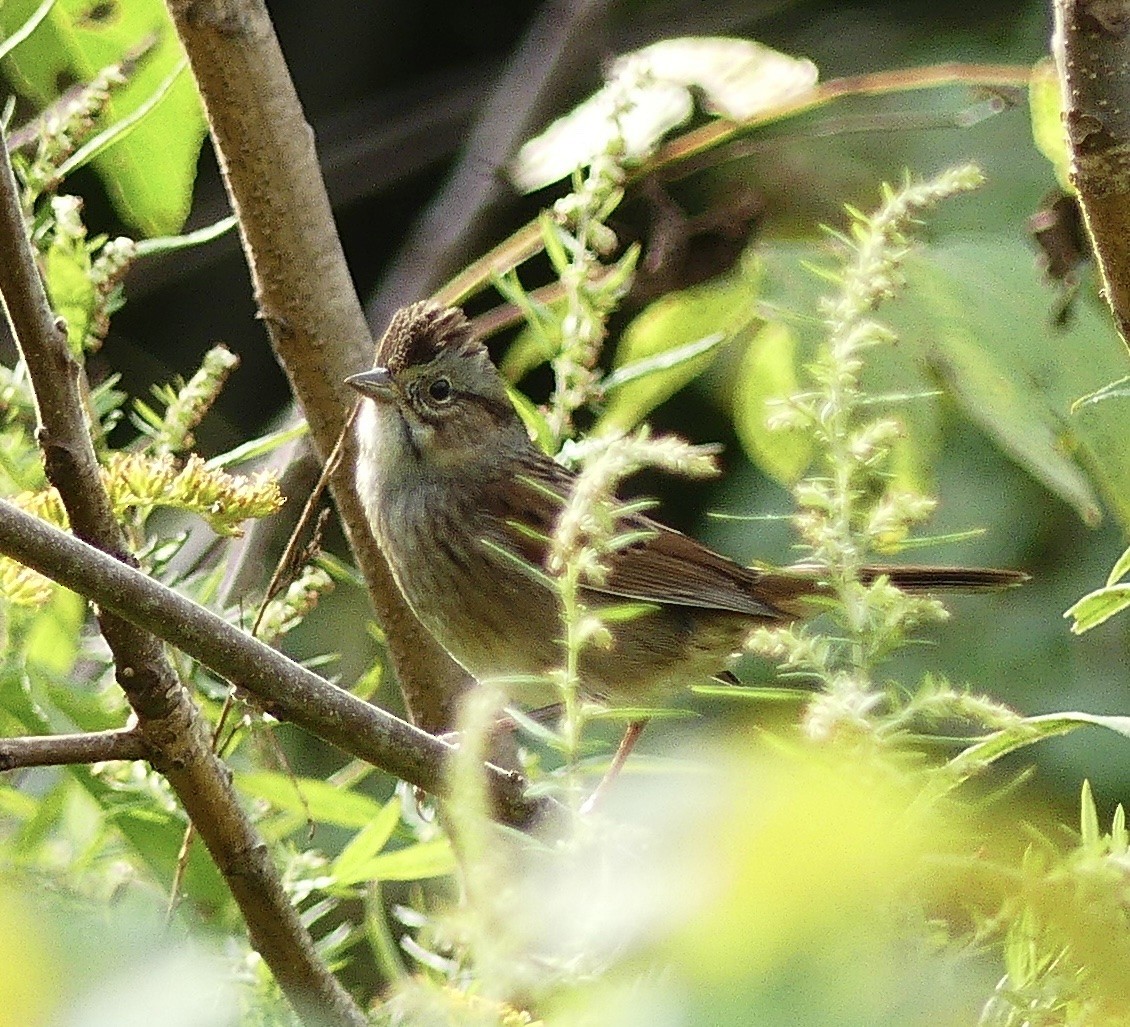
[[1045, 104], [412, 863], [67, 270], [676, 320], [1098, 606], [321, 801], [365, 845], [767, 373], [149, 172]]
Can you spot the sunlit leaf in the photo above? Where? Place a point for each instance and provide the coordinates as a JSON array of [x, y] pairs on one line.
[[677, 320], [412, 863], [149, 172], [1120, 569], [1112, 390], [255, 448], [52, 642], [531, 347], [1048, 132], [66, 267], [172, 243], [364, 845], [660, 362], [1015, 373], [1098, 606], [1022, 428], [1089, 832], [1026, 731], [18, 35], [535, 422]]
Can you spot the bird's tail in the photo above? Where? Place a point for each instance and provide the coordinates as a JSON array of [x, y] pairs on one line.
[[792, 589], [945, 579]]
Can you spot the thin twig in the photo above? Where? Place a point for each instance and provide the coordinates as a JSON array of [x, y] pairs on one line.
[[526, 241], [65, 750], [290, 554]]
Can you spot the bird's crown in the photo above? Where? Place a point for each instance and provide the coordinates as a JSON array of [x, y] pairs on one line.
[[417, 333]]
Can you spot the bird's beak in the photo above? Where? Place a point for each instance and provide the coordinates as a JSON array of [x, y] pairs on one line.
[[376, 384]]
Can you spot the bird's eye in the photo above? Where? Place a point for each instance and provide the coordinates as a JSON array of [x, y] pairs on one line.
[[440, 390]]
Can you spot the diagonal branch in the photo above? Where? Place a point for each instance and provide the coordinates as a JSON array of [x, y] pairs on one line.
[[560, 41], [177, 739], [283, 687]]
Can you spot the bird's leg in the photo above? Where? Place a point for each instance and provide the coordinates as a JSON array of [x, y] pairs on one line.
[[627, 744]]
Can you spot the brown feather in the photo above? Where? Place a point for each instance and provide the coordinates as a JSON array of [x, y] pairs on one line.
[[418, 332], [673, 569]]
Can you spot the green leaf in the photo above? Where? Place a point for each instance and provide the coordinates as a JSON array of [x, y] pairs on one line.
[[1026, 731], [322, 802], [173, 243], [16, 804], [1000, 354], [536, 424], [150, 172], [26, 29], [532, 347], [1088, 818], [623, 613], [676, 321], [1119, 839], [1004, 408], [1098, 606], [1120, 569], [122, 127], [554, 237], [364, 845], [660, 362], [794, 285], [255, 448], [1112, 390], [1045, 105], [1016, 373], [760, 693], [767, 373], [412, 863], [627, 714], [53, 638]]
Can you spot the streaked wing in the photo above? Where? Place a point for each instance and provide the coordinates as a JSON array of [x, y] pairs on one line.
[[665, 567]]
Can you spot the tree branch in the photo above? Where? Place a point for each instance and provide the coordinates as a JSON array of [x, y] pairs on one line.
[[1092, 51], [179, 744], [60, 750], [285, 689], [303, 289]]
